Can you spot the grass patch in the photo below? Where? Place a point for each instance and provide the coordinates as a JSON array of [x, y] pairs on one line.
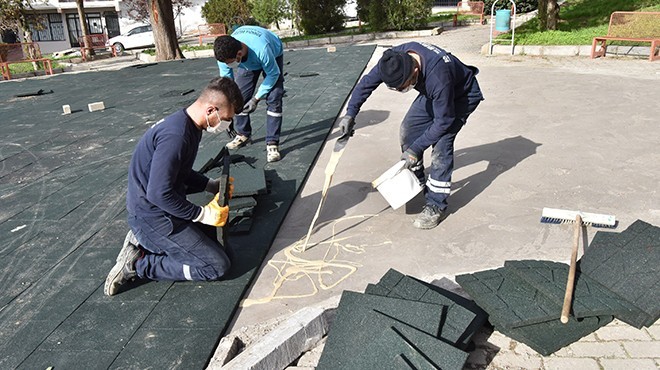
[[580, 21], [27, 67]]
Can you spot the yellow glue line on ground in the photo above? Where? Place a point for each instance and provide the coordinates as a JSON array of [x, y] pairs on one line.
[[295, 267], [329, 171]]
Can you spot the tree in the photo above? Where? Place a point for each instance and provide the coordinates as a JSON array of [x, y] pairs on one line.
[[18, 15], [138, 10], [548, 15], [226, 12], [85, 30], [319, 16], [162, 23], [268, 12]]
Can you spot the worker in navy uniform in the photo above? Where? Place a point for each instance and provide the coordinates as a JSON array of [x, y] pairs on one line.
[[171, 238], [448, 93]]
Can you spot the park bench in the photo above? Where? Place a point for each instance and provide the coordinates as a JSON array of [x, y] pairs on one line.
[[22, 52], [470, 7], [630, 26], [211, 30], [95, 42]]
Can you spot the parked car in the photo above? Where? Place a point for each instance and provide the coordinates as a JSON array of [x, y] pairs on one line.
[[138, 37]]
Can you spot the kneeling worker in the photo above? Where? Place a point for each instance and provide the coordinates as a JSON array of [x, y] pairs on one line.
[[171, 238]]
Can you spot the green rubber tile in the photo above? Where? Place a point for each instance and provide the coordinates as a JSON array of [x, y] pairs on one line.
[[240, 225], [509, 300], [49, 250], [375, 289], [589, 297], [242, 202], [188, 305], [69, 359], [111, 323], [361, 318], [549, 337], [17, 342], [248, 180], [167, 349], [416, 350], [461, 319], [628, 264]]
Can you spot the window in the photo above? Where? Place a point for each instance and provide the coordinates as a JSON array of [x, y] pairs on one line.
[[47, 27]]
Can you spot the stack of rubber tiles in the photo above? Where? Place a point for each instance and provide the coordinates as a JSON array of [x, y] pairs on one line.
[[249, 183], [401, 323], [618, 276]]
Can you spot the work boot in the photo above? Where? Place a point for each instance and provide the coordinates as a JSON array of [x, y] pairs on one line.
[[238, 142], [430, 217], [124, 270], [272, 153]]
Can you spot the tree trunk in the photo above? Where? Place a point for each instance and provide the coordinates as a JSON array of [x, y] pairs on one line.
[[32, 54], [162, 23], [543, 15], [553, 14], [85, 30]]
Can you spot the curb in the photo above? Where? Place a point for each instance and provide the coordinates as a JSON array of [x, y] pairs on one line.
[[564, 50], [362, 37]]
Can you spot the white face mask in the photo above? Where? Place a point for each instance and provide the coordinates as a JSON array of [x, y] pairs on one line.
[[221, 126], [233, 64]]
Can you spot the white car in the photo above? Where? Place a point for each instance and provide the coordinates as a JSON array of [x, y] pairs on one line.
[[138, 37]]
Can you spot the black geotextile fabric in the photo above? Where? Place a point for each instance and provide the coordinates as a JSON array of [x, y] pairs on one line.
[[63, 220], [398, 321]]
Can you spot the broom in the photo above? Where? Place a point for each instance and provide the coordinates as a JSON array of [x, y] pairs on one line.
[[560, 216]]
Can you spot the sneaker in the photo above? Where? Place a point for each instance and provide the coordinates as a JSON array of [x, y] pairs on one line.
[[272, 153], [430, 217], [238, 142], [124, 270]]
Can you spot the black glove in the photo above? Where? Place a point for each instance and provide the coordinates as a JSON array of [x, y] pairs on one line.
[[250, 106], [411, 158], [346, 127]]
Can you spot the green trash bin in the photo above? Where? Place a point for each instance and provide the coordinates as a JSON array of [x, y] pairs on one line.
[[502, 20]]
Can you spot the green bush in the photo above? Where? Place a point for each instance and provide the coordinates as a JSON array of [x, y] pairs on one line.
[[226, 12], [319, 16], [408, 14], [522, 6], [395, 14], [268, 12], [377, 16]]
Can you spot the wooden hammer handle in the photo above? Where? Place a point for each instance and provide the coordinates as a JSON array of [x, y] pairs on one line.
[[570, 282]]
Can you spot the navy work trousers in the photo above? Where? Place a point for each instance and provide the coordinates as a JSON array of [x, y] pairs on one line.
[[417, 121], [177, 250], [247, 82]]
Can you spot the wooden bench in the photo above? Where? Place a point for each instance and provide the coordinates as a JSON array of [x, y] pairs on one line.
[[470, 7], [630, 26], [22, 52], [211, 30], [95, 42]]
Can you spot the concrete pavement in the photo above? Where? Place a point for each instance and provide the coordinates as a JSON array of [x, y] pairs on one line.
[[562, 132]]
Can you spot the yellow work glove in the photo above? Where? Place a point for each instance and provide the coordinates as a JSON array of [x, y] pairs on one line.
[[213, 214], [231, 187], [213, 186]]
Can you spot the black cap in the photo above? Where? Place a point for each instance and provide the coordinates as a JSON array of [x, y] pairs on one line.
[[395, 68]]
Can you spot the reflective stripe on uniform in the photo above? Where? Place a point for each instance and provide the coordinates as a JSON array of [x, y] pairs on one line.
[[186, 272], [442, 184], [273, 114], [436, 189]]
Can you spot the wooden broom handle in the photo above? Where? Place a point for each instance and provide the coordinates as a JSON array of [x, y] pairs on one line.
[[570, 282]]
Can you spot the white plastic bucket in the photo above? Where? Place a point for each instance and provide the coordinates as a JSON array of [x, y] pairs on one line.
[[397, 185]]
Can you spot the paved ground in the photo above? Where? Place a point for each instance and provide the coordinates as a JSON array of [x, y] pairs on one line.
[[562, 132]]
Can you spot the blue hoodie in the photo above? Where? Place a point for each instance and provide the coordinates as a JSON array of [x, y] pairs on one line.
[[263, 47]]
